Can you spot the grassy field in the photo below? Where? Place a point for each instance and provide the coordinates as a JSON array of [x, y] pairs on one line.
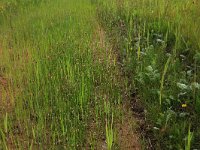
[[99, 74], [159, 45], [58, 76]]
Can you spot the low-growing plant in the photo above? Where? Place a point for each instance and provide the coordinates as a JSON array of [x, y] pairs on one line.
[[160, 58]]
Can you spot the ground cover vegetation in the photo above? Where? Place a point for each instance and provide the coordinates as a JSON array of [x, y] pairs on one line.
[[99, 74], [159, 46]]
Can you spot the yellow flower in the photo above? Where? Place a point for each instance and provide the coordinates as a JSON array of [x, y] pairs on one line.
[[184, 105]]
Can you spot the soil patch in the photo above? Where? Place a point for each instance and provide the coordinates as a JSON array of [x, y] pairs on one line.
[[127, 136]]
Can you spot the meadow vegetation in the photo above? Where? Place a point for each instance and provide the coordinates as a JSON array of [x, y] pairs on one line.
[[71, 70], [159, 45], [47, 65]]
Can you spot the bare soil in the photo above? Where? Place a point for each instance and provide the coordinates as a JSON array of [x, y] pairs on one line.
[[127, 136]]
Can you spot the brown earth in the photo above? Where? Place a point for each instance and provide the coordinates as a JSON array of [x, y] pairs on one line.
[[127, 137], [6, 103]]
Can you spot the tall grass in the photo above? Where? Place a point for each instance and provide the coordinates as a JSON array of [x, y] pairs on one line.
[[55, 87], [48, 66], [159, 42], [58, 84]]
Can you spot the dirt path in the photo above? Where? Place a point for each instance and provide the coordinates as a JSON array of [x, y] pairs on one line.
[[127, 137], [6, 101]]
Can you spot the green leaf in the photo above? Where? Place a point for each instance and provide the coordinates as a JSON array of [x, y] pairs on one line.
[[182, 86]]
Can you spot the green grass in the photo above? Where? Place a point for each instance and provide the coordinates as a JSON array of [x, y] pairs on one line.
[[56, 86], [48, 64], [45, 74], [59, 88], [159, 43]]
